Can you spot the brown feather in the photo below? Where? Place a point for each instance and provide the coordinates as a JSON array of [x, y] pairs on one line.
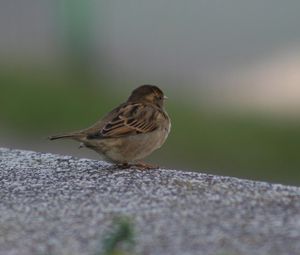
[[131, 131], [131, 119]]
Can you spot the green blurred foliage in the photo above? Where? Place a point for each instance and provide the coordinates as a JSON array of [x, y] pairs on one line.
[[120, 239], [243, 145]]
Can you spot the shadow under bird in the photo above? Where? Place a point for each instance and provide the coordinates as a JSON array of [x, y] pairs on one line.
[[131, 131]]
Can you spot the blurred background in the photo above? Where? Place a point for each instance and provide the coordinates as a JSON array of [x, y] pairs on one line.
[[231, 70]]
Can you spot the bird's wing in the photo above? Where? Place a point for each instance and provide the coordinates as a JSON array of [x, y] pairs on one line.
[[130, 119]]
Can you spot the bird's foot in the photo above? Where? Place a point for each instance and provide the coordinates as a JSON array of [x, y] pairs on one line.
[[123, 165], [144, 166], [139, 165]]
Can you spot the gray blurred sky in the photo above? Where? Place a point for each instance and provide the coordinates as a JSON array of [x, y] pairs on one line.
[[171, 41], [193, 38]]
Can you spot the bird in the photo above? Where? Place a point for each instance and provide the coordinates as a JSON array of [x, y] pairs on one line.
[[131, 131]]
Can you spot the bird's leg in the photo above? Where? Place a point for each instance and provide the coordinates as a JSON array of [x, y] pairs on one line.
[[123, 165], [139, 165], [145, 166]]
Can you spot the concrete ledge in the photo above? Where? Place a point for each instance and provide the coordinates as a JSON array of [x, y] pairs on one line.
[[61, 205]]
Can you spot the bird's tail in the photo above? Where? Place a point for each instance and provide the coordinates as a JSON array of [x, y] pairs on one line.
[[63, 136]]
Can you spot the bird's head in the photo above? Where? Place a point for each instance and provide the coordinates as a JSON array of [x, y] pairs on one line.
[[148, 93]]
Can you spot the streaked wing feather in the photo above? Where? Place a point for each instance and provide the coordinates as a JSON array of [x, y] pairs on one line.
[[131, 119]]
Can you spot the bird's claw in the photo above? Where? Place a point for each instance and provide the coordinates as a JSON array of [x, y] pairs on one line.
[[139, 165]]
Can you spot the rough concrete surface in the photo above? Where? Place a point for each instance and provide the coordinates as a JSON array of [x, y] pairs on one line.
[[61, 205]]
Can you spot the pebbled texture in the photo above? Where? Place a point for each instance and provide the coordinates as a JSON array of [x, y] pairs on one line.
[[60, 205]]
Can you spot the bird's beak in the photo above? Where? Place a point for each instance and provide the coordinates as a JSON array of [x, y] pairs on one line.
[[165, 97]]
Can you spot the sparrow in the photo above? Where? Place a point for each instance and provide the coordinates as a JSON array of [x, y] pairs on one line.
[[131, 131]]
